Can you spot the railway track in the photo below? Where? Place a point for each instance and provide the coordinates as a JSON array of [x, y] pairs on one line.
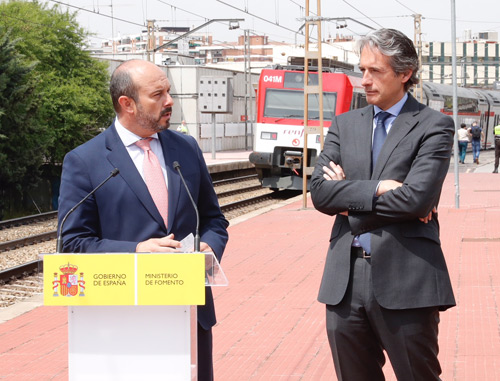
[[6, 224], [26, 241], [218, 183], [237, 196]]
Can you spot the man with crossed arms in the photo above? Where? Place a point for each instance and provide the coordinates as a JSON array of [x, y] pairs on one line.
[[385, 278]]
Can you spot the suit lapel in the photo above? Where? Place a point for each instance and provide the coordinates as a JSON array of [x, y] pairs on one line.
[[402, 125], [119, 158], [362, 139]]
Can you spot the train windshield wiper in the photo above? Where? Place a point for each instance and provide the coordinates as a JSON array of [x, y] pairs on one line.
[[317, 118], [288, 117]]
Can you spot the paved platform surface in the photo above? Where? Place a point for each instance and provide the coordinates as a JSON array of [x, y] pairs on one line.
[[270, 326], [227, 161]]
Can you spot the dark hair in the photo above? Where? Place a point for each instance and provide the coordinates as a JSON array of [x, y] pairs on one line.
[[121, 83], [463, 125], [399, 48]]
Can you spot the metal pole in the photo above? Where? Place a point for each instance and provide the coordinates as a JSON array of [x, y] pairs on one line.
[[418, 44], [247, 80], [151, 40], [113, 30], [192, 31], [214, 135], [320, 79], [251, 94], [455, 100], [462, 61], [309, 89], [306, 109]]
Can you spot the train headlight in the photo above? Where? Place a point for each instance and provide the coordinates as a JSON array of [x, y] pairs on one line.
[[269, 135]]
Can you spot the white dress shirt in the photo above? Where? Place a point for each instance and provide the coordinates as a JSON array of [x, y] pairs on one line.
[[136, 153]]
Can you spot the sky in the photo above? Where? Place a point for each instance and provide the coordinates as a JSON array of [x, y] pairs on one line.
[[281, 19]]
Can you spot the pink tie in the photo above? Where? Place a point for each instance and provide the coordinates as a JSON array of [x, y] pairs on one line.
[[153, 176]]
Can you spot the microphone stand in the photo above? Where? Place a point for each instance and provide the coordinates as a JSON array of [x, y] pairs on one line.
[[177, 167], [113, 173]]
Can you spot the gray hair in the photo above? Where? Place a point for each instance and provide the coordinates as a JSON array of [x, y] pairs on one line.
[[399, 48]]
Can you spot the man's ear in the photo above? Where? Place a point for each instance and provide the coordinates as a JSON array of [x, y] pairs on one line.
[[406, 76], [127, 104]]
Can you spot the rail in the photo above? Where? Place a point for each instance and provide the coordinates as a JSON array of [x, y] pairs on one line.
[[20, 271], [26, 241], [27, 220]]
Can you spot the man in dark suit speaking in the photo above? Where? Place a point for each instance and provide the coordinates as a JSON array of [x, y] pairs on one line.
[[145, 207], [381, 173]]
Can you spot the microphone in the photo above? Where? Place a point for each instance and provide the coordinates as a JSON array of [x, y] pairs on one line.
[[177, 167], [113, 173]]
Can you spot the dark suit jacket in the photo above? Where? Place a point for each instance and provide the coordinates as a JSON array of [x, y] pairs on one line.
[[408, 266], [122, 213]]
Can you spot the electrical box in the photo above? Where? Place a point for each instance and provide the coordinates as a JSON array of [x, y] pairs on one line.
[[215, 94]]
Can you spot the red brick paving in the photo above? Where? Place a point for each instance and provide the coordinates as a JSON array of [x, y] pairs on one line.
[[270, 325]]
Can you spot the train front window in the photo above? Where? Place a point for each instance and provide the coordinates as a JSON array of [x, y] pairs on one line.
[[289, 104]]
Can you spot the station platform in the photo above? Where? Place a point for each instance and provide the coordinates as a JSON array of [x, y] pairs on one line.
[[270, 325], [227, 161]]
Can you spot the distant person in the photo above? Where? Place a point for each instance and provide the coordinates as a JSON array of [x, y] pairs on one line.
[[182, 128], [463, 141], [476, 133], [381, 173], [145, 208], [497, 147]]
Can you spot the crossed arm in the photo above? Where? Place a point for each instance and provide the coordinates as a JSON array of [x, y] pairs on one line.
[[410, 184], [335, 173]]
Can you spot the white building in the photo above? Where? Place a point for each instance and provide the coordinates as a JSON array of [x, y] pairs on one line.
[[478, 61]]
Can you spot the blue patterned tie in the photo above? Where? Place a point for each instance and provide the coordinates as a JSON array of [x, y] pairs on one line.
[[378, 141], [379, 136]]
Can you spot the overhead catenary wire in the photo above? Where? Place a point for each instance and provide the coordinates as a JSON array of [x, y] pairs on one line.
[[368, 17], [183, 10], [97, 13], [277, 23], [399, 2], [66, 3], [256, 16], [268, 21]]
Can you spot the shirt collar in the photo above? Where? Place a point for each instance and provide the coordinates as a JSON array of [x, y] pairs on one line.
[[395, 109], [128, 137]]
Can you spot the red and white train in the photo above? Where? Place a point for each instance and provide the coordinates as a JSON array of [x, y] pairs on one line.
[[279, 131]]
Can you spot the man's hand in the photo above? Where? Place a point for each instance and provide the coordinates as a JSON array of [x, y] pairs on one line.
[[205, 247], [429, 217], [158, 245], [335, 172], [386, 186]]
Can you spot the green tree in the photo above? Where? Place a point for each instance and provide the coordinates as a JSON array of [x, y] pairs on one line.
[[72, 87], [64, 98], [22, 138]]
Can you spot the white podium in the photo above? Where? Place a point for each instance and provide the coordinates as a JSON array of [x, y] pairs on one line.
[[131, 316]]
